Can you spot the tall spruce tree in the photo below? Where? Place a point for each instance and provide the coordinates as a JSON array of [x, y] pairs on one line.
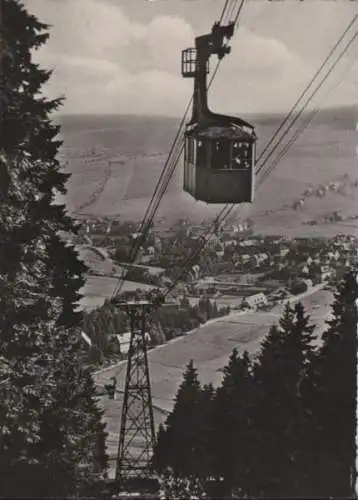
[[279, 416], [206, 433], [231, 412], [178, 445], [330, 397], [51, 435]]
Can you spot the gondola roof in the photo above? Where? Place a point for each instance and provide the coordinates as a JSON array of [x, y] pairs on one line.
[[218, 132]]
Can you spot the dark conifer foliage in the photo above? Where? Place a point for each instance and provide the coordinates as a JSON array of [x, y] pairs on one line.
[[51, 435], [278, 415], [330, 396], [283, 426], [178, 445], [206, 433], [232, 422]]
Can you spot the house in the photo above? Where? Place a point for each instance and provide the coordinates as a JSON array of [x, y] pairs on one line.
[[305, 269], [233, 229], [124, 340], [231, 242], [248, 243], [261, 257], [308, 282], [284, 252], [259, 299], [245, 258], [145, 259], [325, 273]]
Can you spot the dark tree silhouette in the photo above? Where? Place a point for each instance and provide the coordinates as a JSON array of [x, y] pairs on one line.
[[232, 438], [330, 396], [51, 435], [178, 446], [279, 415]]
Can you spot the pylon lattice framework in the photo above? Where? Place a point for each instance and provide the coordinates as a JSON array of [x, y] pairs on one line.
[[137, 435]]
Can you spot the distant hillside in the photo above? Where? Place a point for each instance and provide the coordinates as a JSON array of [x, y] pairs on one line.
[[117, 160], [343, 118]]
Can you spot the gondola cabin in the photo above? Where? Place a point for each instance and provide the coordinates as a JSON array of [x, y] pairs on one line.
[[219, 163], [219, 150]]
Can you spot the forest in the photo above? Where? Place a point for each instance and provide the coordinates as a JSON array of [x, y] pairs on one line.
[[280, 426], [103, 324]]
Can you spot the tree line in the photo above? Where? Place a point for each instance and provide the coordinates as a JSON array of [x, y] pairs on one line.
[[104, 323], [281, 425]]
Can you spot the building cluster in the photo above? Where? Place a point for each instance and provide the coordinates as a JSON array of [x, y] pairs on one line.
[[235, 262]]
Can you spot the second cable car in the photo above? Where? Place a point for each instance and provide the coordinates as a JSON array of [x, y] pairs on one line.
[[219, 150]]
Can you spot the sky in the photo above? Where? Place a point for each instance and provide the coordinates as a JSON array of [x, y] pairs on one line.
[[123, 56]]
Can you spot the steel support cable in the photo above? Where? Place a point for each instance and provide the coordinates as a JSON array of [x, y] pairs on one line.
[[145, 226], [313, 113], [228, 208], [234, 3], [157, 187], [298, 132], [159, 190], [192, 258], [223, 12], [225, 212], [269, 170], [238, 12], [167, 172], [170, 171], [147, 220], [179, 132], [230, 14], [143, 235], [307, 87], [334, 64]]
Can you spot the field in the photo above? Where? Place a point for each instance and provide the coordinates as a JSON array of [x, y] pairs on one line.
[[209, 347], [99, 288], [116, 162]]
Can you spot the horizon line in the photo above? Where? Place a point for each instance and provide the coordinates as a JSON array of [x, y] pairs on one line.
[[254, 113]]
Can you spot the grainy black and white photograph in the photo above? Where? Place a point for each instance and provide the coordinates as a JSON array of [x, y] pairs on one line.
[[178, 249]]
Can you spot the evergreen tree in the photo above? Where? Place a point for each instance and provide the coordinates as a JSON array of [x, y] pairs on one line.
[[279, 417], [161, 451], [51, 435], [231, 412], [206, 433], [178, 446], [330, 396]]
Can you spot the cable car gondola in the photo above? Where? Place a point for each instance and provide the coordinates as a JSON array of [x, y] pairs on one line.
[[219, 150]]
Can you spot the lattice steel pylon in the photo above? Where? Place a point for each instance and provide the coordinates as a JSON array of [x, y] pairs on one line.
[[137, 434]]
